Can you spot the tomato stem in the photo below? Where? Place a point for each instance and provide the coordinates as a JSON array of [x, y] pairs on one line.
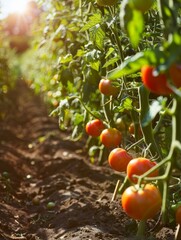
[[147, 127], [141, 229]]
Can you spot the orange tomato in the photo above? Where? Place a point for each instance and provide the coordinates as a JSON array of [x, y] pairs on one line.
[[94, 127], [118, 159], [156, 84], [141, 203], [107, 88], [111, 137], [139, 166]]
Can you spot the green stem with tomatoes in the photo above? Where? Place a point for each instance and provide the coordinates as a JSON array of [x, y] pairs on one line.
[[147, 129]]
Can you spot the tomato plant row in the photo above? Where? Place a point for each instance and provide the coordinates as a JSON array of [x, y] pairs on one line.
[[111, 70]]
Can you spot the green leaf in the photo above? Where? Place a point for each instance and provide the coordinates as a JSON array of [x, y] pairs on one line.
[[125, 105], [93, 21], [78, 118], [110, 51], [111, 61], [65, 59], [97, 35], [133, 64], [95, 65], [135, 27], [155, 108]]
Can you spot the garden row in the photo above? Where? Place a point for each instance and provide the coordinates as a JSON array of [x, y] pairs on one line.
[[111, 71]]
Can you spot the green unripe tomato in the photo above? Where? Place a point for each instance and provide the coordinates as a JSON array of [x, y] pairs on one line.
[[141, 5], [50, 205], [103, 3]]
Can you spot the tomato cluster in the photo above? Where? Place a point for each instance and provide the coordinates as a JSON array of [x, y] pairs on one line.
[[139, 202]]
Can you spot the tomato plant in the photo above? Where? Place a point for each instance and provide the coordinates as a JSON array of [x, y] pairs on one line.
[[111, 137], [107, 88], [141, 203], [141, 5], [138, 166], [94, 127], [118, 159], [156, 84]]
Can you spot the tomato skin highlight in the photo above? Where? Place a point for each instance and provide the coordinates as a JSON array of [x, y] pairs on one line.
[[107, 88], [141, 204], [94, 127], [139, 166], [156, 84], [103, 3], [118, 159], [141, 5], [111, 137]]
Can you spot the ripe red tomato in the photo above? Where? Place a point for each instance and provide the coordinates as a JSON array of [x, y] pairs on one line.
[[156, 84], [141, 5], [141, 203], [118, 159], [111, 137], [94, 127], [175, 73], [178, 215], [139, 166], [106, 2], [107, 88]]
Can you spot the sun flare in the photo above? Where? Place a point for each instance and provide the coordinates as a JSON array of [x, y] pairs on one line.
[[19, 6], [11, 6]]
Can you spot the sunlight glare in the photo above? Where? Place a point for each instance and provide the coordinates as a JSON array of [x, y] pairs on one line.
[[18, 6]]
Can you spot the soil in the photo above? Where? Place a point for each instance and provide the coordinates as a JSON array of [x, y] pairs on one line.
[[48, 188]]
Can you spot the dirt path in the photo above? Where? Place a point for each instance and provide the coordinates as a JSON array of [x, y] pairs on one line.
[[48, 188]]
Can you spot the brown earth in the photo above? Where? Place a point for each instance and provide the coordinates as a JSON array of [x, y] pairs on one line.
[[48, 188]]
